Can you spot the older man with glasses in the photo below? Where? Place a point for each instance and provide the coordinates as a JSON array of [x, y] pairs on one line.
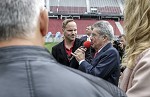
[[106, 62]]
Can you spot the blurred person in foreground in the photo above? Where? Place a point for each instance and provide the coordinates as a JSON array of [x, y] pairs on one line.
[[136, 77], [62, 51], [106, 63], [90, 51], [27, 69]]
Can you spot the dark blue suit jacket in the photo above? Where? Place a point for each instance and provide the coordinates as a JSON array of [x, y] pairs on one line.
[[83, 38], [105, 65]]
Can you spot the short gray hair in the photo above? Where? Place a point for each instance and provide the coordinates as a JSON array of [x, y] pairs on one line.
[[105, 28], [18, 18]]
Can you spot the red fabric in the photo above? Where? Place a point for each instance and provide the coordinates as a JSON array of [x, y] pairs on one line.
[[68, 51]]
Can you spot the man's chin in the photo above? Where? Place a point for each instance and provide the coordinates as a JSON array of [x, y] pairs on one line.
[[73, 39]]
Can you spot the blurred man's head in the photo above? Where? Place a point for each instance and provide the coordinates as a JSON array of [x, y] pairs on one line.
[[88, 30], [122, 39], [102, 33], [69, 28], [23, 20]]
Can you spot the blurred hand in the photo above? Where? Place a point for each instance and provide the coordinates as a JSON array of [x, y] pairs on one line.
[[79, 54]]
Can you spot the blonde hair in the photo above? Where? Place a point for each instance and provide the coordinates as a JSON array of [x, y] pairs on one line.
[[137, 28], [65, 22]]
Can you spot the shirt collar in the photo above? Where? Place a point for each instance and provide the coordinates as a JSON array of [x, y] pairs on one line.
[[103, 47]]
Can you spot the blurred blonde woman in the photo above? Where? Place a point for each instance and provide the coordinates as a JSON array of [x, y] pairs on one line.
[[136, 77]]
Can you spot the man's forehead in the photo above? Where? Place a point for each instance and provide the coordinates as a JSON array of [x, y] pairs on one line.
[[70, 24], [96, 29]]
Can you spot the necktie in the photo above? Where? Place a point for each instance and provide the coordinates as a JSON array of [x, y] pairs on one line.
[[95, 54]]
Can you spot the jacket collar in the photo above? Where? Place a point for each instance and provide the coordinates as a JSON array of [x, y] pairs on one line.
[[105, 47], [24, 52]]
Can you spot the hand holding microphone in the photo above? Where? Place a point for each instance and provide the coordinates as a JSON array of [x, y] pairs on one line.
[[79, 54]]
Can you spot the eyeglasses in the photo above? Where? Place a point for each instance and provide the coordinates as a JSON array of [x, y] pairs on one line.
[[97, 35], [93, 35]]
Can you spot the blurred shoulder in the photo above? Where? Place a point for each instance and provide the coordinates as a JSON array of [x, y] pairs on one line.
[[144, 56]]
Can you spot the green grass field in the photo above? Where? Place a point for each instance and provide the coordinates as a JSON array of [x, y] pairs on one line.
[[49, 45]]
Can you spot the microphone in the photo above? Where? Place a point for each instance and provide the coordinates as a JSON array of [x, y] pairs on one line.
[[86, 44]]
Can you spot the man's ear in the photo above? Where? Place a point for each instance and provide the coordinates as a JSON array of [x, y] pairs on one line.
[[105, 38], [44, 22], [63, 30]]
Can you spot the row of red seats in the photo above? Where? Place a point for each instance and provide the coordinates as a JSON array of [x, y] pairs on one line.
[[55, 25], [109, 9], [67, 9]]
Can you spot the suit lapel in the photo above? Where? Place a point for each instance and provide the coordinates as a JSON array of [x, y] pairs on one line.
[[106, 47], [63, 51], [98, 56], [77, 44]]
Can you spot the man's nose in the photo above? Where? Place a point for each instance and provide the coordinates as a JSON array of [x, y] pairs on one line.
[[74, 31]]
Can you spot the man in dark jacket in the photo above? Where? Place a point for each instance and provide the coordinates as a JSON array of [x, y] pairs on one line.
[[27, 69], [62, 51], [106, 63]]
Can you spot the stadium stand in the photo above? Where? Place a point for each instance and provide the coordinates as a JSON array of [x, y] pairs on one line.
[[55, 25], [121, 22], [85, 12], [81, 6], [106, 6], [69, 9], [68, 6], [120, 28], [75, 3]]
